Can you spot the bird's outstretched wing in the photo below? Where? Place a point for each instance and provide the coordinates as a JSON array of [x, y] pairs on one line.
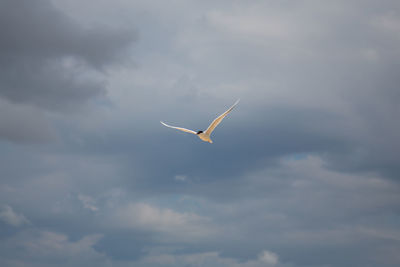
[[178, 128], [219, 119]]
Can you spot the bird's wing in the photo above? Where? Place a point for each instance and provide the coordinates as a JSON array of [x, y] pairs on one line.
[[178, 128], [219, 119]]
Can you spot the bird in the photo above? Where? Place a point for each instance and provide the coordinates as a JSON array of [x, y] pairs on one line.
[[205, 135]]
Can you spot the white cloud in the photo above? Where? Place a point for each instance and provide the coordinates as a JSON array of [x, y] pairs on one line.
[[45, 248], [163, 220], [8, 215], [88, 202], [209, 259], [268, 257], [180, 178]]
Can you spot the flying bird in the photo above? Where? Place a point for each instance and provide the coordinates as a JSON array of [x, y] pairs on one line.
[[205, 136]]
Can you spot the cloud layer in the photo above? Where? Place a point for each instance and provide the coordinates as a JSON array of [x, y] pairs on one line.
[[8, 215], [304, 172], [48, 60]]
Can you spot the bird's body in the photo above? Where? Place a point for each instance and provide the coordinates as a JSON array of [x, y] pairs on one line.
[[205, 136]]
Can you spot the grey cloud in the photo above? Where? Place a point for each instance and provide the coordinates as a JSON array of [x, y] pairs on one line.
[[46, 248], [310, 59], [296, 203], [305, 169], [24, 124], [9, 216], [48, 60], [265, 258], [242, 143], [299, 203]]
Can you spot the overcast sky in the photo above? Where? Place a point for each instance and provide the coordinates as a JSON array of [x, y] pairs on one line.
[[304, 172]]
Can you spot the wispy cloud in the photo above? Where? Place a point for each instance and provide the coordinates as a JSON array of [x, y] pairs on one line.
[[9, 216], [88, 202]]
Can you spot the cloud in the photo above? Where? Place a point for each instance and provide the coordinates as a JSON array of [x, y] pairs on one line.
[[210, 259], [48, 60], [307, 165], [389, 234], [9, 216], [268, 257], [250, 26], [24, 124], [88, 202], [180, 178], [163, 220], [45, 248]]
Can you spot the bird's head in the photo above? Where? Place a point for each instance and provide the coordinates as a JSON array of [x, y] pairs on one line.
[[199, 132]]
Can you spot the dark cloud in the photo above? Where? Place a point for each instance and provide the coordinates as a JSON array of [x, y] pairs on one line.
[[48, 60], [24, 124], [304, 171]]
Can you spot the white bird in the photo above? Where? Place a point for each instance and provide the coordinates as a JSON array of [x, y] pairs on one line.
[[205, 136]]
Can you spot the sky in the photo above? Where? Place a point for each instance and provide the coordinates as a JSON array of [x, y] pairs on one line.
[[304, 172]]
